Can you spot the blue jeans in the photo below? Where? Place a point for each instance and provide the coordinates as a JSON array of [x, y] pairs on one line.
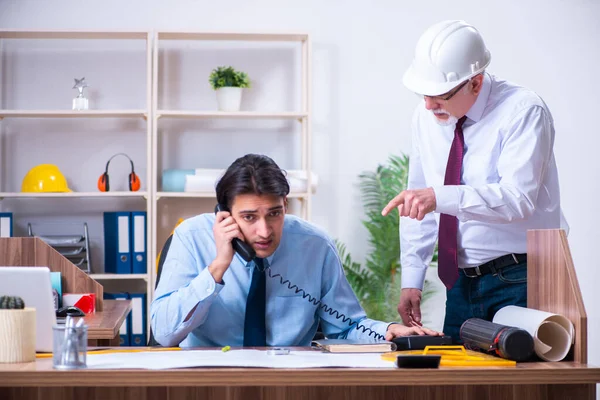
[[483, 296]]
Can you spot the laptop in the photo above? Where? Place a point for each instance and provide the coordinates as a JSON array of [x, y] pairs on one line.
[[33, 285]]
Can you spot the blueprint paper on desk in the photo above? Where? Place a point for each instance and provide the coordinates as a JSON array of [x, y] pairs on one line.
[[233, 358]]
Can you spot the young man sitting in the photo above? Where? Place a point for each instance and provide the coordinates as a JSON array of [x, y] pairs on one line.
[[208, 295]]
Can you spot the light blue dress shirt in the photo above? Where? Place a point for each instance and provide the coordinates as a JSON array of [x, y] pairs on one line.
[[306, 257]]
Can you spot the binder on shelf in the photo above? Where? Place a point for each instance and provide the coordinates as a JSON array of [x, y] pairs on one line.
[[6, 224], [117, 237], [125, 330], [139, 260], [138, 319]]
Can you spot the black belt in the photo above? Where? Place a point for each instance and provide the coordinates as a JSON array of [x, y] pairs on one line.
[[492, 267]]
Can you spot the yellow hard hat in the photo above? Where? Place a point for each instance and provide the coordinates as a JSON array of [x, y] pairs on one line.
[[44, 178]]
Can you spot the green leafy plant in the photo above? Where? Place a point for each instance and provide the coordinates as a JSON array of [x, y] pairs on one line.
[[228, 77], [377, 283], [11, 303]]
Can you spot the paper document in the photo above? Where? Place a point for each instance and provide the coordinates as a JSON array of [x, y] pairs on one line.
[[552, 334], [353, 346], [233, 358]]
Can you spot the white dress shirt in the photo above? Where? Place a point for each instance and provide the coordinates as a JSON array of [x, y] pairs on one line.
[[509, 180]]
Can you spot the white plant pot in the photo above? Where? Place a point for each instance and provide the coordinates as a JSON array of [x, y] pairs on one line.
[[229, 98], [17, 335]]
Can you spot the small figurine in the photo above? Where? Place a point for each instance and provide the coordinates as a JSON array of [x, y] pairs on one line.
[[80, 102]]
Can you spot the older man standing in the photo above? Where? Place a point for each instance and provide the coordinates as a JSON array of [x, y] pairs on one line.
[[482, 172]]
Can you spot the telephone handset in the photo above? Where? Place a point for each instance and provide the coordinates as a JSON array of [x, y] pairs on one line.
[[243, 248]]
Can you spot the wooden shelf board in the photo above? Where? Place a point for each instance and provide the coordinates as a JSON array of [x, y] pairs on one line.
[[72, 194], [209, 195], [237, 36], [72, 114], [23, 34], [230, 115], [118, 276]]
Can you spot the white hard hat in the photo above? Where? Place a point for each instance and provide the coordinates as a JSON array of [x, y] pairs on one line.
[[447, 54]]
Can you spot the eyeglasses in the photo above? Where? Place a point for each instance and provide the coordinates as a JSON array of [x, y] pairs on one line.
[[449, 95]]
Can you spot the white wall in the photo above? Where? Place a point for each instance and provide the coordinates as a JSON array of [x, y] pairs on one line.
[[362, 111]]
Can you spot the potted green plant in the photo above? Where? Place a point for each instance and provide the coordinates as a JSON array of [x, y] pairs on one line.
[[228, 84], [377, 282], [17, 331]]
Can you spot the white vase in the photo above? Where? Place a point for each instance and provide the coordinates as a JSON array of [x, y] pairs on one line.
[[229, 98]]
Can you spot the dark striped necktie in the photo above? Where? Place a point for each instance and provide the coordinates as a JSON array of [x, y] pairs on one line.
[[255, 332], [448, 234]]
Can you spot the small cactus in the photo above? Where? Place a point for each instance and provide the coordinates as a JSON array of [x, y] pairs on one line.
[[11, 303]]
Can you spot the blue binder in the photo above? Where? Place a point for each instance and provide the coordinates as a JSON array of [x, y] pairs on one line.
[[138, 319], [6, 224], [125, 330], [139, 260], [117, 242], [55, 279]]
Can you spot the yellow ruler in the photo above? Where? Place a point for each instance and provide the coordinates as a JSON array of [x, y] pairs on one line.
[[455, 356], [117, 350]]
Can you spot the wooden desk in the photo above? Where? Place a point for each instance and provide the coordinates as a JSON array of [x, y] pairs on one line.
[[531, 381], [103, 326]]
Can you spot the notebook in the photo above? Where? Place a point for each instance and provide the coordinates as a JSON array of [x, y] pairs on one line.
[[353, 346]]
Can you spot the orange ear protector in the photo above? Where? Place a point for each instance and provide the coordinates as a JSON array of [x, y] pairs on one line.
[[134, 180]]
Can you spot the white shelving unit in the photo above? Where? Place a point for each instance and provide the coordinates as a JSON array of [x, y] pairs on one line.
[[303, 116], [154, 116], [100, 199]]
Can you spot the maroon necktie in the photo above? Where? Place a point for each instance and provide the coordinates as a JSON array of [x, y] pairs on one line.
[[448, 234]]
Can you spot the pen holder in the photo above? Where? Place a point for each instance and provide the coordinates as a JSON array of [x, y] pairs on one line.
[[69, 347]]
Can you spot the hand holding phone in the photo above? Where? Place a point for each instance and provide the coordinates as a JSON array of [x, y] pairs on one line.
[[225, 229], [242, 248]]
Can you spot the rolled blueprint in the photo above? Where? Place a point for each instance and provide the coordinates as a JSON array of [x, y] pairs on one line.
[[552, 334]]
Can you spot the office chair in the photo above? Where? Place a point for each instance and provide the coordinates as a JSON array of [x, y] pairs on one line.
[[161, 261]]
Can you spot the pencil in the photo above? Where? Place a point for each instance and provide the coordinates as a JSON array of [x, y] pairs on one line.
[[116, 350]]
